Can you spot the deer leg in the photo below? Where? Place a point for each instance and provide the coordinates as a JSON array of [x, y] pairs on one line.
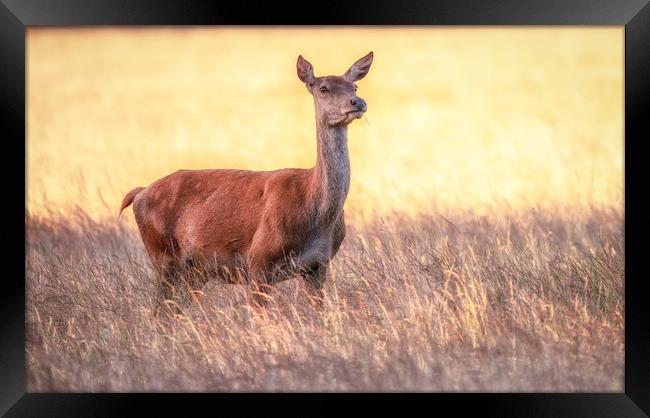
[[168, 286], [166, 299], [314, 278], [261, 257], [260, 287], [191, 278]]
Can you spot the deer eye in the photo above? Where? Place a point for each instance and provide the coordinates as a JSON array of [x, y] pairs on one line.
[[323, 89]]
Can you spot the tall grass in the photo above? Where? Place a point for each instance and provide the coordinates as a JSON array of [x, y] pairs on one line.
[[533, 302]]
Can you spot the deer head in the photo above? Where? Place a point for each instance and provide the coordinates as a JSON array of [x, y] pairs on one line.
[[335, 97]]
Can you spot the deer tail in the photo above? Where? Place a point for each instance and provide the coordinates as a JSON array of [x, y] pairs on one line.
[[128, 199]]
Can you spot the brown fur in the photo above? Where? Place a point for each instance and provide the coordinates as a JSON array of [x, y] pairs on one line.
[[259, 223]]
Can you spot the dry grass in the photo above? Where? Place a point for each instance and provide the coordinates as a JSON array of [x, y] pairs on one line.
[[485, 218], [528, 303]]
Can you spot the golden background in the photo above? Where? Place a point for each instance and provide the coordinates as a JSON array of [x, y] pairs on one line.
[[459, 118]]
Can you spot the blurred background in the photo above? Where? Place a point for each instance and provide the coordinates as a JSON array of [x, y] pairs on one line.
[[459, 119]]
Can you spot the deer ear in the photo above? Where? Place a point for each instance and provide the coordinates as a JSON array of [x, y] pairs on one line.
[[305, 70], [359, 69]]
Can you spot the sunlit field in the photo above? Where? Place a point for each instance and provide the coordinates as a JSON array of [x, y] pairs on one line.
[[485, 244]]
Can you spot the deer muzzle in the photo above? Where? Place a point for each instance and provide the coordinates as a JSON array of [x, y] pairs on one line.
[[358, 104]]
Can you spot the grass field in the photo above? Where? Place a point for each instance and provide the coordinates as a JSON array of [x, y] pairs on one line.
[[485, 245]]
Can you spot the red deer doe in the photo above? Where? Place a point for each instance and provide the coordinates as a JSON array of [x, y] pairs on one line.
[[258, 227]]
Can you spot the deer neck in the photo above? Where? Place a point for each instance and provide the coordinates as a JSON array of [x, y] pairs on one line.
[[331, 176]]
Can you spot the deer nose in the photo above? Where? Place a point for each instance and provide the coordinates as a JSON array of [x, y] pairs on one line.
[[358, 102]]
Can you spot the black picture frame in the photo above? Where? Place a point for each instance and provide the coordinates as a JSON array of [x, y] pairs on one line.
[[17, 15]]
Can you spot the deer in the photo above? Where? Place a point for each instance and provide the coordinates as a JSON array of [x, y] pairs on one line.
[[258, 227]]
